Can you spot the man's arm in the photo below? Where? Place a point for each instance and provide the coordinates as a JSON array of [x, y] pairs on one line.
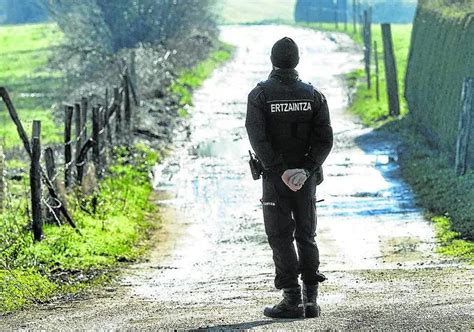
[[256, 129], [321, 139]]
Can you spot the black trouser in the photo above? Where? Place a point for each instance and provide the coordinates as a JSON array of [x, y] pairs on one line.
[[290, 216]]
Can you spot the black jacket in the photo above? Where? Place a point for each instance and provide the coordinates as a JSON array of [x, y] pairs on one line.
[[288, 123]]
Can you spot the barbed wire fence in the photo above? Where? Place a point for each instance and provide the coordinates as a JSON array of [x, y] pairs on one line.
[[110, 124]]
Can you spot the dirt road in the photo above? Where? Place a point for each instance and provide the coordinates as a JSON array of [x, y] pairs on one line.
[[216, 270]]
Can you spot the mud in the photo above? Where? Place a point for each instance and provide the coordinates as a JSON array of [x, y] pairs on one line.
[[212, 266]]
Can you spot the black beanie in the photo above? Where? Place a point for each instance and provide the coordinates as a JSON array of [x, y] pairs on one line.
[[285, 53]]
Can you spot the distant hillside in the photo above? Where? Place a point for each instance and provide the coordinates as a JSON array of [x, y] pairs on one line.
[[393, 11], [253, 11]]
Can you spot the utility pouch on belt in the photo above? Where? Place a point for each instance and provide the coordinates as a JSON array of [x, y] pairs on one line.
[[256, 167]]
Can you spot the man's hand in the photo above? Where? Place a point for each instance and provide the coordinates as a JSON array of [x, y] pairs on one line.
[[294, 178], [299, 178]]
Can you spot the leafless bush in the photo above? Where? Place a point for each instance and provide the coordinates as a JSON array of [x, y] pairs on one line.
[[99, 33]]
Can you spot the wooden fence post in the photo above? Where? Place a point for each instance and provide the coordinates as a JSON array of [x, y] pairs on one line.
[[2, 180], [377, 75], [24, 138], [354, 16], [133, 71], [95, 134], [367, 45], [96, 137], [465, 118], [118, 115], [106, 99], [51, 172], [35, 181], [105, 119], [390, 71], [81, 161], [107, 138], [132, 90], [108, 118], [103, 138], [68, 112], [79, 127], [127, 107], [84, 105]]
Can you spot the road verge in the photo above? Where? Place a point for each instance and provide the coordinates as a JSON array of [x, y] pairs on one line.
[[446, 198]]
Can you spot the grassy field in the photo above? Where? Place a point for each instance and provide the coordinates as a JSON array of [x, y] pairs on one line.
[[255, 11], [446, 197], [24, 52]]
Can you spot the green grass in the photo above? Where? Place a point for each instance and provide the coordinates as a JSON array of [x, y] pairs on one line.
[[365, 105], [124, 217], [21, 287], [24, 54], [252, 11], [192, 78], [448, 199], [450, 243]]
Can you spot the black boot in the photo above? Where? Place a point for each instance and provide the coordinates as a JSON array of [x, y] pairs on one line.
[[310, 295], [290, 307]]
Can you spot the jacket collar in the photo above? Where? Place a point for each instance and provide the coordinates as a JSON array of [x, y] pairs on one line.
[[284, 74]]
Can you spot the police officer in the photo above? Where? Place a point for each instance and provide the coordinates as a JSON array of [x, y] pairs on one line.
[[289, 129]]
